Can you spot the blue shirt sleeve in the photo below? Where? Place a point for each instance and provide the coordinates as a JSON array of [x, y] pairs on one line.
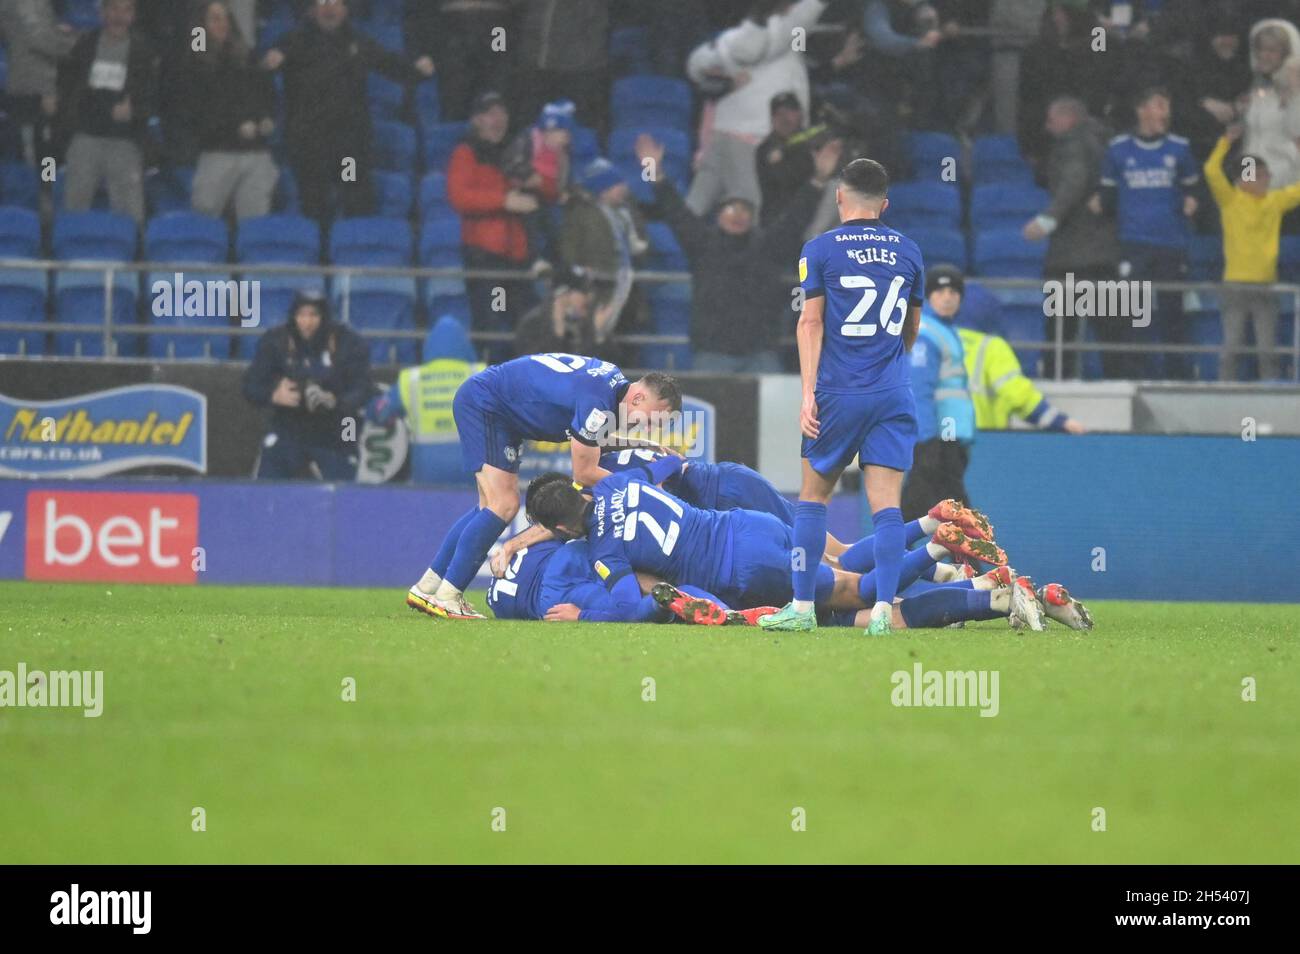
[[1189, 172], [593, 414], [810, 270], [917, 297]]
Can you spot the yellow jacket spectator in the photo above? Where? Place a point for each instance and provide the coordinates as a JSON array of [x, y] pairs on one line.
[[1000, 390], [1252, 223]]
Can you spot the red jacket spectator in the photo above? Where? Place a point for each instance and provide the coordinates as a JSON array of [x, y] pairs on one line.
[[477, 189]]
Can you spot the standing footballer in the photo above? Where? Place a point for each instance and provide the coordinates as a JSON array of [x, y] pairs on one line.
[[863, 288]]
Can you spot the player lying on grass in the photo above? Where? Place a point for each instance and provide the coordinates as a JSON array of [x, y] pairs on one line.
[[546, 397], [743, 556], [731, 486], [934, 609]]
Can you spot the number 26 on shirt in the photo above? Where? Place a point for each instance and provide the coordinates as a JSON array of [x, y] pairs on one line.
[[853, 326]]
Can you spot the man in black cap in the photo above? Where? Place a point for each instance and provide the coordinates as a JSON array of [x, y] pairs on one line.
[[945, 414], [784, 160], [312, 374]]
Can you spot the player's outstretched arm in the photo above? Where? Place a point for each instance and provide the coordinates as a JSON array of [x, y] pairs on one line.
[[911, 327], [527, 538], [809, 333]]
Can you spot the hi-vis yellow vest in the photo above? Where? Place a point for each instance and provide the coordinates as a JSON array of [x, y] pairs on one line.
[[998, 387], [427, 393]]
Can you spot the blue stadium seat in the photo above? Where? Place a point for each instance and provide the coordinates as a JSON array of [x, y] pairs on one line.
[[100, 236], [997, 159], [923, 205], [440, 242], [629, 51], [372, 240], [666, 357], [392, 194], [1207, 329], [380, 304], [585, 146], [81, 15], [440, 140], [1005, 205], [670, 308], [23, 299], [20, 233], [428, 108], [665, 253], [386, 98], [1005, 253], [433, 196], [188, 346], [449, 306], [79, 299], [279, 239], [186, 237], [641, 101], [927, 153], [386, 34], [395, 146], [1022, 320], [170, 190], [677, 146], [386, 11], [940, 245], [277, 293], [19, 185]]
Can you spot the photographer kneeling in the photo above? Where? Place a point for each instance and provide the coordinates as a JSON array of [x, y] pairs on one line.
[[314, 375]]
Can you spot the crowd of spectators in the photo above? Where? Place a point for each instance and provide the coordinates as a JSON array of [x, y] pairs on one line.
[[1116, 107]]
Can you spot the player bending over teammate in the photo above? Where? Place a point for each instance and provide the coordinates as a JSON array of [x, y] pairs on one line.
[[545, 397]]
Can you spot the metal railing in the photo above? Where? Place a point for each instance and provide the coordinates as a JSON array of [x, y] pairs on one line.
[[1056, 346]]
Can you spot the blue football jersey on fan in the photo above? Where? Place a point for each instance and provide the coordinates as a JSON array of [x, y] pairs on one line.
[[1152, 176], [870, 275], [552, 397]]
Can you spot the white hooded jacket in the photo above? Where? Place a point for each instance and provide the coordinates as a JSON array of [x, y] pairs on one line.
[[1272, 117]]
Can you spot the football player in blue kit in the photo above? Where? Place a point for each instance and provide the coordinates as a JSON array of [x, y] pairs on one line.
[[863, 286], [546, 397], [631, 525]]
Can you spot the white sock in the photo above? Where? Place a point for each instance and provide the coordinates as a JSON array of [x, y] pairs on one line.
[[882, 608], [447, 592], [936, 551], [429, 583], [1000, 600], [947, 573], [803, 606], [929, 524]]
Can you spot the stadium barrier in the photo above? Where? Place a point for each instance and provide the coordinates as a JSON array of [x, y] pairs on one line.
[[1200, 297]]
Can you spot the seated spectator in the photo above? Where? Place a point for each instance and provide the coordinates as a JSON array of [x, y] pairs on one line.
[[107, 92], [757, 60], [538, 162], [1252, 224], [37, 42], [740, 274], [229, 103], [604, 235], [328, 129], [492, 211], [311, 373]]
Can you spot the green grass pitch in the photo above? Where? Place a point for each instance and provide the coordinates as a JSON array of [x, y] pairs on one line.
[[230, 699]]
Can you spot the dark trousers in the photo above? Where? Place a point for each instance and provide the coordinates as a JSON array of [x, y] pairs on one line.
[[318, 168], [496, 304], [289, 455], [1158, 263], [1107, 329], [938, 472]]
